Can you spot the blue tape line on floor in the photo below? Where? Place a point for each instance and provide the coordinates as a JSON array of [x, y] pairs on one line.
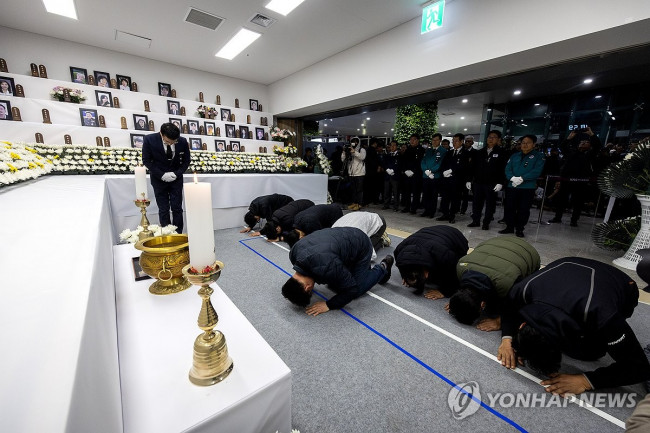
[[401, 349]]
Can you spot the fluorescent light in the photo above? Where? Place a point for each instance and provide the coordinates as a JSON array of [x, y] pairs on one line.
[[598, 96], [61, 7], [283, 7], [236, 45], [588, 81], [462, 117], [465, 129], [325, 124], [442, 124], [536, 105], [464, 101], [367, 118], [517, 92]]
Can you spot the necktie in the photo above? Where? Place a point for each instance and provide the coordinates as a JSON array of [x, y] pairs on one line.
[[170, 154]]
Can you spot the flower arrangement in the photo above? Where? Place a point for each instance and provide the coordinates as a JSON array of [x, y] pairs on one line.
[[19, 162], [287, 151], [131, 236], [77, 159], [322, 162], [283, 135], [77, 96], [206, 112], [630, 176]]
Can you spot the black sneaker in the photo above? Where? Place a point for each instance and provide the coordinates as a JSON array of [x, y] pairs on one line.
[[555, 220], [520, 233], [506, 231], [473, 224], [387, 263]]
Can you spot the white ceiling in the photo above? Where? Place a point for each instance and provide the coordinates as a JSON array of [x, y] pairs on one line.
[[315, 30]]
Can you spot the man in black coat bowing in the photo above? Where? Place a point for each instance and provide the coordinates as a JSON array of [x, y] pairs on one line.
[[338, 257], [167, 156]]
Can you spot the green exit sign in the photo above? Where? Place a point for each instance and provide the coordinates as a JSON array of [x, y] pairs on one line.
[[432, 16]]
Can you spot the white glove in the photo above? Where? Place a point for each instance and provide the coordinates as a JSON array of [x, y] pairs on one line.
[[408, 173], [432, 176], [427, 172], [447, 173], [390, 171], [168, 177], [468, 185], [498, 187], [516, 181]]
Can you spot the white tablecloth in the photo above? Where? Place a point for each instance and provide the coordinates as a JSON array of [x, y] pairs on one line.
[[156, 334], [231, 195], [59, 366]]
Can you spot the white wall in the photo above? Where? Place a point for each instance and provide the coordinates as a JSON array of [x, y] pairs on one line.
[[21, 48], [475, 33]]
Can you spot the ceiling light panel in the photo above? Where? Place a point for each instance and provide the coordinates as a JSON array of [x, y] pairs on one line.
[[283, 7], [237, 44], [61, 7]]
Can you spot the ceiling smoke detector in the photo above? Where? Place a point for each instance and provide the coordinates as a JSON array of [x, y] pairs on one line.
[[262, 20], [203, 19]]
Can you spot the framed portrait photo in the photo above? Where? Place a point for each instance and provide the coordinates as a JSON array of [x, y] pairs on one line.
[[220, 145], [138, 273], [195, 144], [141, 122], [193, 126], [230, 131], [243, 132], [164, 89], [88, 117], [259, 133], [104, 98], [174, 107], [5, 110], [137, 140], [176, 122], [102, 79], [209, 128], [78, 75], [7, 86], [253, 104], [225, 114], [234, 145], [123, 82]]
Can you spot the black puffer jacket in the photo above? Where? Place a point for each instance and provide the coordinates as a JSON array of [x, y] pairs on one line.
[[438, 249], [285, 215], [265, 205], [320, 216], [329, 256], [582, 305]]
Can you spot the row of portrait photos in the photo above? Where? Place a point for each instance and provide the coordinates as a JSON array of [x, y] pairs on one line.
[[195, 144], [103, 79], [141, 123]]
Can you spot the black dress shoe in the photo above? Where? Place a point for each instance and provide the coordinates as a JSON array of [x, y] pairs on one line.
[[520, 233], [506, 231], [424, 214], [574, 224], [452, 219], [473, 224], [442, 218], [413, 212], [486, 227], [405, 210], [387, 264], [501, 221], [555, 220]]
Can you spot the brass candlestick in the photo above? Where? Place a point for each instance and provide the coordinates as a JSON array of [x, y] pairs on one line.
[[211, 362], [144, 221]]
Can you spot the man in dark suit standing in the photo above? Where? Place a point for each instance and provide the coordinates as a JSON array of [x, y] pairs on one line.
[[167, 156]]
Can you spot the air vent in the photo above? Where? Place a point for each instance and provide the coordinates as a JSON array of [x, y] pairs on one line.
[[203, 19], [449, 113], [262, 20]]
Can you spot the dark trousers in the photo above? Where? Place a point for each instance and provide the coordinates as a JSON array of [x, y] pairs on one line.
[[431, 188], [411, 191], [170, 195], [377, 241], [357, 189], [455, 193], [517, 207], [391, 187], [578, 191], [484, 195], [464, 196]]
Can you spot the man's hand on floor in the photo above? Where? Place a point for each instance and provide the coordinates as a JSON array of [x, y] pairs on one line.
[[317, 308]]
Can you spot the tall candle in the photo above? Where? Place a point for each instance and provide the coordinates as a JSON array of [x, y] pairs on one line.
[[140, 183], [200, 229]]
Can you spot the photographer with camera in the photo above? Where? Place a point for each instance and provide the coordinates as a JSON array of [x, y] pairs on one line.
[[353, 157], [582, 147]]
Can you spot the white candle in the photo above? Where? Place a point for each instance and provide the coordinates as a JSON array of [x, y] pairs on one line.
[[140, 183], [200, 230]]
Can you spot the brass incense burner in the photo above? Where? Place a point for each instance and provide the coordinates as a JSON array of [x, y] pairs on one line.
[[163, 258]]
